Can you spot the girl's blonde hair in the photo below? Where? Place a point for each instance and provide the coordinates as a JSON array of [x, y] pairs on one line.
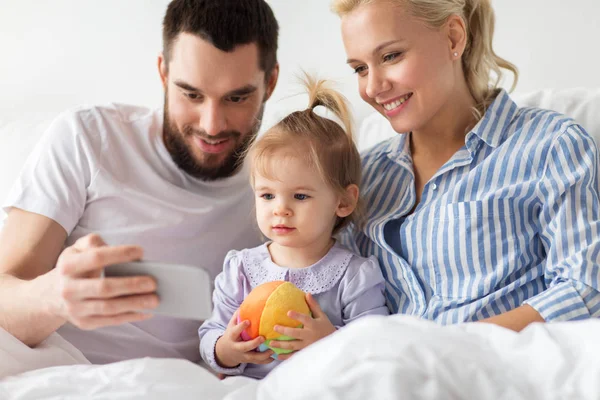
[[320, 142], [482, 66]]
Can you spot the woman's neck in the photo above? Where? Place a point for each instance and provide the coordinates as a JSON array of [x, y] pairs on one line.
[[299, 257], [445, 134]]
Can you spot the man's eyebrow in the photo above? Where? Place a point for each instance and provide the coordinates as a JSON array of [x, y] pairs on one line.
[[186, 86], [377, 49], [243, 91]]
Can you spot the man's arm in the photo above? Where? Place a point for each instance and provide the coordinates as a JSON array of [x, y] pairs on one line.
[[29, 247], [36, 298]]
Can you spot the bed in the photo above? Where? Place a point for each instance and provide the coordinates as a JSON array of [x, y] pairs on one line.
[[374, 358], [394, 357]]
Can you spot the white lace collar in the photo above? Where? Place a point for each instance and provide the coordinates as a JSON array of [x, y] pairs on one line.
[[317, 278]]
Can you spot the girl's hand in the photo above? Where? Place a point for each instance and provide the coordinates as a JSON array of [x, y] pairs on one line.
[[315, 328], [231, 350]]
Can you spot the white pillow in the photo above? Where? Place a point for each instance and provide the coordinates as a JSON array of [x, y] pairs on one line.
[[581, 104]]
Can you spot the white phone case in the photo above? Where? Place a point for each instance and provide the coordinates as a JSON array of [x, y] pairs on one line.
[[184, 291]]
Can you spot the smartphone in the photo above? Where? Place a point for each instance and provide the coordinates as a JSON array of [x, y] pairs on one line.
[[184, 291]]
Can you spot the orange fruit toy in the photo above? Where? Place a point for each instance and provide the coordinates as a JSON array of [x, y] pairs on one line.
[[267, 305]]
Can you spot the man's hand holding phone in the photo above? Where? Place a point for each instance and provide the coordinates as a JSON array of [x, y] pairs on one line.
[[87, 299]]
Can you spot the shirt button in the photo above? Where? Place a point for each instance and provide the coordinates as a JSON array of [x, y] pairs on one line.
[[434, 186]]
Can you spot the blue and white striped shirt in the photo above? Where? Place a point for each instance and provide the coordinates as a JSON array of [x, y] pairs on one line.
[[511, 219]]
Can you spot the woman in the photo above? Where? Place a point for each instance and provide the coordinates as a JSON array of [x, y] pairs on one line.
[[478, 210]]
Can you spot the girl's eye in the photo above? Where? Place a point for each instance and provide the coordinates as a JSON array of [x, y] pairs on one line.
[[360, 70], [299, 196], [267, 196]]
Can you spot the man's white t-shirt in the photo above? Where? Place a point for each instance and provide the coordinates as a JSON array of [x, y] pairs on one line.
[[106, 170]]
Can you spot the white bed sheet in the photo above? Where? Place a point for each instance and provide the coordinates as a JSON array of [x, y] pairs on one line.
[[16, 357], [373, 358]]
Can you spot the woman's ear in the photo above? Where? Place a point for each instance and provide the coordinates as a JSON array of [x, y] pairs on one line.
[[457, 36], [348, 203]]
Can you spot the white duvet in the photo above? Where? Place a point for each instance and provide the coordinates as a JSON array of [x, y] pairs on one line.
[[394, 357]]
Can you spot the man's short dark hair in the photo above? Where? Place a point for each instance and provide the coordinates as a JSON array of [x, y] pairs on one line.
[[225, 24]]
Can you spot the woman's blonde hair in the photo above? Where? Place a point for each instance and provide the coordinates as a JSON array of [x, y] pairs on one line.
[[482, 66], [318, 141]]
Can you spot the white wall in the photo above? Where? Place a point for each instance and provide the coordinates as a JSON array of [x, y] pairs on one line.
[[58, 53], [554, 43]]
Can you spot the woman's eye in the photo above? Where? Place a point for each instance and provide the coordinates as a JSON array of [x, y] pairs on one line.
[[267, 196], [299, 196], [390, 57]]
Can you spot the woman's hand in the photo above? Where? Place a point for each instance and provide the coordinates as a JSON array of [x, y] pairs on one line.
[[517, 319], [231, 350], [314, 328]]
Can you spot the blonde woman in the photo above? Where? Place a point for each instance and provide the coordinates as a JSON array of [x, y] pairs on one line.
[[478, 210]]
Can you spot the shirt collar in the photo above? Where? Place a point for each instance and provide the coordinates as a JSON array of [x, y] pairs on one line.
[[317, 278], [397, 149], [492, 128]]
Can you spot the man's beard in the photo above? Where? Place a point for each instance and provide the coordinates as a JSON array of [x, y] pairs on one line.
[[182, 154]]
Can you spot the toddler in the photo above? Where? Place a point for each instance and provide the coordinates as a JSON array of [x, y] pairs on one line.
[[305, 173]]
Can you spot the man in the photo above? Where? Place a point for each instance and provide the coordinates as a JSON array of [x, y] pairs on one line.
[[122, 183]]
